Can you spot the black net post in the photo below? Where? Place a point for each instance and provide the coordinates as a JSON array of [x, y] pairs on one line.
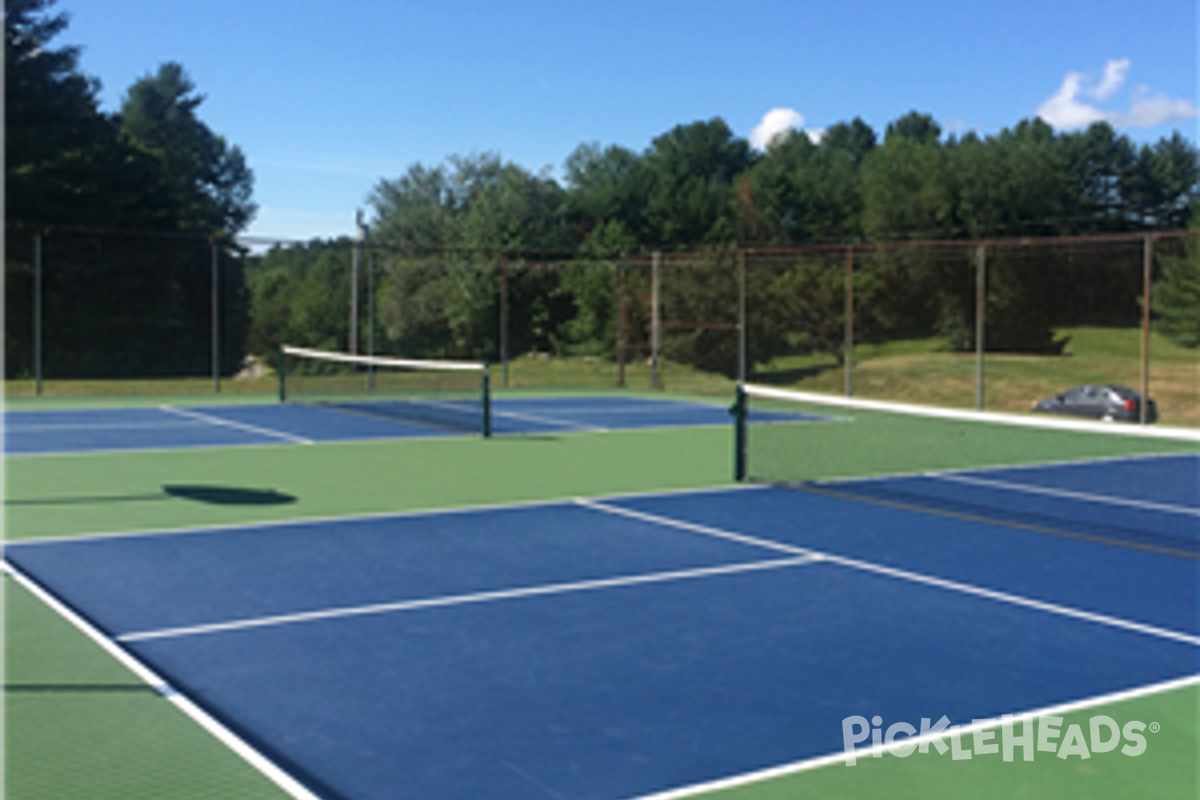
[[282, 372], [487, 403], [739, 434]]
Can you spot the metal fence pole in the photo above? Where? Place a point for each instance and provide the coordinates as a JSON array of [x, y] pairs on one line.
[[980, 320], [1147, 275], [622, 323], [504, 321], [848, 379], [216, 315], [37, 313], [355, 267], [655, 322], [741, 364], [371, 317]]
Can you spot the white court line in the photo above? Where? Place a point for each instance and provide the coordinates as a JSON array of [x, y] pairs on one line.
[[373, 517], [463, 599], [92, 426], [914, 577], [839, 757], [579, 426], [287, 437], [1144, 505], [218, 731]]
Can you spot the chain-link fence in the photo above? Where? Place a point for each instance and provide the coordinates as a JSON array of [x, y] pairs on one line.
[[995, 324], [106, 305]]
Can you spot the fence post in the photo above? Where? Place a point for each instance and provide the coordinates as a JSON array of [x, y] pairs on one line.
[[622, 323], [37, 312], [849, 321], [355, 268], [741, 364], [1147, 275], [504, 321], [655, 322], [216, 315], [980, 320], [371, 317]]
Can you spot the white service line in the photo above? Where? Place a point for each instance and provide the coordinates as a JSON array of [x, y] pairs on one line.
[[914, 577], [1143, 505], [1061, 710], [544, 420], [463, 599], [287, 437], [198, 715]]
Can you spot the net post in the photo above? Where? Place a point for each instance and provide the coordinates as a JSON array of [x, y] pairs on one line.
[[739, 434], [282, 370], [487, 403]]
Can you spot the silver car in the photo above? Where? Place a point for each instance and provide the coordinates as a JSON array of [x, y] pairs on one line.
[[1107, 402]]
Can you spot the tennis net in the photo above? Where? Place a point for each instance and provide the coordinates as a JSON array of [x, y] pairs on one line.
[[447, 395], [1110, 482]]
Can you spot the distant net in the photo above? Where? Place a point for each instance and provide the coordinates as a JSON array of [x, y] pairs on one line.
[[451, 396], [1107, 482]]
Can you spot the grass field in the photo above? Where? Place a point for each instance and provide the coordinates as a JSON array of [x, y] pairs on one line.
[[917, 371]]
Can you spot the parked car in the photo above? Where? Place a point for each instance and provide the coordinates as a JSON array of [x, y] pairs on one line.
[[1100, 401]]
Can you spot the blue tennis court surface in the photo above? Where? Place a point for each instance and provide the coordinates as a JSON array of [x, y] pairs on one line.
[[168, 427], [620, 647]]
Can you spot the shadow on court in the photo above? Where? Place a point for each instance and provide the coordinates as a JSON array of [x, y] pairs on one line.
[[199, 493], [229, 495]]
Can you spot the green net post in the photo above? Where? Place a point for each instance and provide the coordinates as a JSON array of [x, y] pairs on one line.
[[487, 403], [282, 370], [739, 434]]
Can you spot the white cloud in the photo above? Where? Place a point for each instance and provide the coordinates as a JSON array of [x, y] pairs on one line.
[[1149, 110], [776, 122], [1114, 78], [1065, 110]]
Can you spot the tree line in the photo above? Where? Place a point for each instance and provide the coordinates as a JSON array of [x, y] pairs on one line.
[[441, 232], [699, 187], [135, 303]]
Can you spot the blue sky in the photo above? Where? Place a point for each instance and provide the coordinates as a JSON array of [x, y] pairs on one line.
[[327, 98]]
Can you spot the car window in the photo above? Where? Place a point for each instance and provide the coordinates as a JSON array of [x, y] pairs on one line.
[[1075, 395]]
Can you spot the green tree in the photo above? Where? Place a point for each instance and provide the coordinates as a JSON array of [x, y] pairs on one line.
[[1176, 298], [691, 171], [57, 143], [203, 182]]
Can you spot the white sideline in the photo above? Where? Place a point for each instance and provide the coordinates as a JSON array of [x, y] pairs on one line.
[[196, 415], [1067, 494], [1061, 710], [198, 715]]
